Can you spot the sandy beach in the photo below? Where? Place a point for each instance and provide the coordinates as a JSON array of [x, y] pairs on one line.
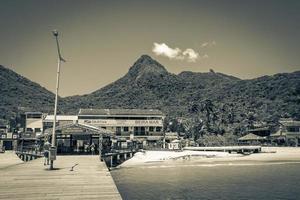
[[268, 154]]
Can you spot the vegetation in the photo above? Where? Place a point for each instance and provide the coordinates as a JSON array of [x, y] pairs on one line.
[[203, 105]]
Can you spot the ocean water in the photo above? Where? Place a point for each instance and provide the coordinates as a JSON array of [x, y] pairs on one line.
[[197, 180]]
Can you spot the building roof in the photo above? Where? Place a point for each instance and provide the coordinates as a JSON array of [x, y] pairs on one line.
[[61, 118], [120, 112], [33, 112], [259, 129], [279, 133], [250, 137], [290, 122], [90, 128]]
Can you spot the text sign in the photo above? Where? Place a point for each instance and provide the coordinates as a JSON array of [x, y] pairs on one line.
[[123, 122]]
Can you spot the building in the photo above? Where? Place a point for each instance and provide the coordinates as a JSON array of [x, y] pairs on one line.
[[174, 145], [77, 138], [33, 122], [127, 128], [252, 139], [288, 133], [8, 140], [144, 125], [260, 131], [60, 120]]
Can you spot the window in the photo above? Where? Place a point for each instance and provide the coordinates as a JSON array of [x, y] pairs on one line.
[[118, 130], [126, 129], [156, 118], [158, 129], [151, 129], [142, 131], [139, 131], [292, 129], [34, 116], [29, 130], [136, 130], [37, 130]]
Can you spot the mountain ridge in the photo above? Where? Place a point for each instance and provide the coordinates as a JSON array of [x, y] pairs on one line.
[[149, 85]]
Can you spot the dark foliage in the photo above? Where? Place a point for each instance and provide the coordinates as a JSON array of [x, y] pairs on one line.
[[223, 103]]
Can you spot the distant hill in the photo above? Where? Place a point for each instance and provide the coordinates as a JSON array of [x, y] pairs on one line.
[[18, 92], [149, 85]]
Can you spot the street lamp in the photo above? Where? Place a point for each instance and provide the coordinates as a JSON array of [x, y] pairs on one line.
[[53, 149]]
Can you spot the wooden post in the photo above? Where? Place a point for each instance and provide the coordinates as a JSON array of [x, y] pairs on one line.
[[100, 146], [71, 144], [111, 161]]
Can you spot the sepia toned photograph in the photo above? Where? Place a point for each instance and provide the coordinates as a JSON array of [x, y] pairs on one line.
[[149, 99]]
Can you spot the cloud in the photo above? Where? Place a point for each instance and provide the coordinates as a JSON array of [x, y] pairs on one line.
[[191, 55], [175, 53], [205, 56], [164, 50], [209, 44], [204, 44]]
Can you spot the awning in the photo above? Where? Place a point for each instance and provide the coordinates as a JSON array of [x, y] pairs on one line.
[[77, 128], [251, 137]]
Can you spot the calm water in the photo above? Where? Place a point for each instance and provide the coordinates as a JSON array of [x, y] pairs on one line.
[[195, 180]]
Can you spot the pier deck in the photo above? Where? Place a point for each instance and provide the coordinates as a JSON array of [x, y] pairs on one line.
[[9, 158], [90, 179]]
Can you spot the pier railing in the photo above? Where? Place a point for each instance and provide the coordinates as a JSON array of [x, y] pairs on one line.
[[28, 153]]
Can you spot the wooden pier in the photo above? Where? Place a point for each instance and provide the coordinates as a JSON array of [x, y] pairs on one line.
[[89, 179], [27, 156], [117, 157], [9, 158]]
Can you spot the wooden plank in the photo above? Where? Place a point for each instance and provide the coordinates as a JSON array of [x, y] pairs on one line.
[[32, 180], [9, 158]]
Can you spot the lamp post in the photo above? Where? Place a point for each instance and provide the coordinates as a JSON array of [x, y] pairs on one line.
[[53, 149]]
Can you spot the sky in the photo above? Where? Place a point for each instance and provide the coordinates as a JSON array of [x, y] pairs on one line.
[[101, 39]]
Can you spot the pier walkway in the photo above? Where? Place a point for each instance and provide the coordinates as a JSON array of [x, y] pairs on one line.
[[90, 179], [9, 158]]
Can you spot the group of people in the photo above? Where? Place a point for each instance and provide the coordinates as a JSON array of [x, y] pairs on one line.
[[47, 146]]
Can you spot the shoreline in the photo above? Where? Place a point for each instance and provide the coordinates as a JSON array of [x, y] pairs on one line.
[[268, 154]]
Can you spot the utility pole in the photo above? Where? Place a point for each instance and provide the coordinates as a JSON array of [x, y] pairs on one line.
[[53, 149]]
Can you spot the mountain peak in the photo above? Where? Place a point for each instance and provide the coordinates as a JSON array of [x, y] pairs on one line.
[[146, 64], [145, 59]]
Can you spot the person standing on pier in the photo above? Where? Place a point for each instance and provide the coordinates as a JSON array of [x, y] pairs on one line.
[[46, 152], [93, 148]]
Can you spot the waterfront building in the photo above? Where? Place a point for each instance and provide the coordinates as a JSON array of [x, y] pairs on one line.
[[252, 139], [142, 125], [127, 128], [8, 140], [263, 131], [33, 122], [288, 133], [78, 138], [60, 120]]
